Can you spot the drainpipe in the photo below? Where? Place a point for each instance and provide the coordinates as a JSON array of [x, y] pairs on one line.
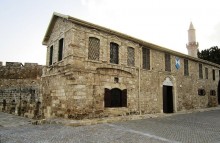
[[19, 111], [139, 82]]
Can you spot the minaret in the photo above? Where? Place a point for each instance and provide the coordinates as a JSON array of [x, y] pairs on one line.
[[192, 45]]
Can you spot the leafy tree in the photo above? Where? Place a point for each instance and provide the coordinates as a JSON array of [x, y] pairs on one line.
[[212, 54]]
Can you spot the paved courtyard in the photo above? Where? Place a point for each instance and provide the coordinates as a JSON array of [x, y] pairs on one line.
[[199, 127]]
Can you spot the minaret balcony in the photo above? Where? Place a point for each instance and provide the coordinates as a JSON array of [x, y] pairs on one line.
[[192, 44]]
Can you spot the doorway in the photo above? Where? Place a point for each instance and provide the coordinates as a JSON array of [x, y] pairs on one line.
[[167, 99], [219, 92], [4, 105]]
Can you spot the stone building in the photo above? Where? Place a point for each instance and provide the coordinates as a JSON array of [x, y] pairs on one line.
[[20, 89], [93, 72]]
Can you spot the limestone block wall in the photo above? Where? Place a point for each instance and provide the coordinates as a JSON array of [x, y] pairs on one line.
[[20, 89], [61, 29], [80, 94], [185, 88]]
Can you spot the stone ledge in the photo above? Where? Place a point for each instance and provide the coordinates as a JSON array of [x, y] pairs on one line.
[[86, 122]]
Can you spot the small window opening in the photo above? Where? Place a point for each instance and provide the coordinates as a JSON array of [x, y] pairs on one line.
[[212, 92], [116, 80], [201, 92], [213, 74]]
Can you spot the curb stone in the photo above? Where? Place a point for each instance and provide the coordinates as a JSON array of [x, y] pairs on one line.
[[85, 122]]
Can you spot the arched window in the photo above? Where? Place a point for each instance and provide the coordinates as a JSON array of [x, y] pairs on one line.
[[115, 97], [94, 47], [114, 53]]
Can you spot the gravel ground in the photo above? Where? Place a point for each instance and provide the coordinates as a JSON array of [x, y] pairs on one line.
[[200, 127]]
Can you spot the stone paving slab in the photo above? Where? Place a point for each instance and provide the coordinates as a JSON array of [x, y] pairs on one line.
[[9, 120], [197, 127]]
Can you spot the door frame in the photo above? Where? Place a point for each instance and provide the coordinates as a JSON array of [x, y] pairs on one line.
[[168, 106], [169, 82], [218, 91]]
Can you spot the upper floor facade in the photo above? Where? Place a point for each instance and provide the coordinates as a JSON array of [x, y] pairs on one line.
[[83, 45]]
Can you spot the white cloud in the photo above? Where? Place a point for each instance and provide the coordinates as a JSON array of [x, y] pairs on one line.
[[84, 2]]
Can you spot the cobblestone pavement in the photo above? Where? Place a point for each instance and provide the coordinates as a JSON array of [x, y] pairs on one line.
[[199, 127]]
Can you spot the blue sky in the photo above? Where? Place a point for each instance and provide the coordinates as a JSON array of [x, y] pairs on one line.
[[165, 23]]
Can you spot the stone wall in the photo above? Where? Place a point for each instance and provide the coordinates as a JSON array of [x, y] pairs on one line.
[[20, 89], [74, 87]]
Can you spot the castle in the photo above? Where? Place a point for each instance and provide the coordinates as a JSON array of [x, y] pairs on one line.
[[94, 72]]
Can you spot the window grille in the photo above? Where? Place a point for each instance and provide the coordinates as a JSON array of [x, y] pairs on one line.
[[186, 67], [114, 51], [130, 56], [200, 71], [146, 58], [94, 48]]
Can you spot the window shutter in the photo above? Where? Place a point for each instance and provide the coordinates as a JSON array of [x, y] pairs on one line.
[[186, 67], [60, 50], [167, 62], [51, 56], [148, 59], [124, 98], [107, 97]]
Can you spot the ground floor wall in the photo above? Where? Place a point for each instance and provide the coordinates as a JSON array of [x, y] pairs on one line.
[[80, 94], [190, 96]]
